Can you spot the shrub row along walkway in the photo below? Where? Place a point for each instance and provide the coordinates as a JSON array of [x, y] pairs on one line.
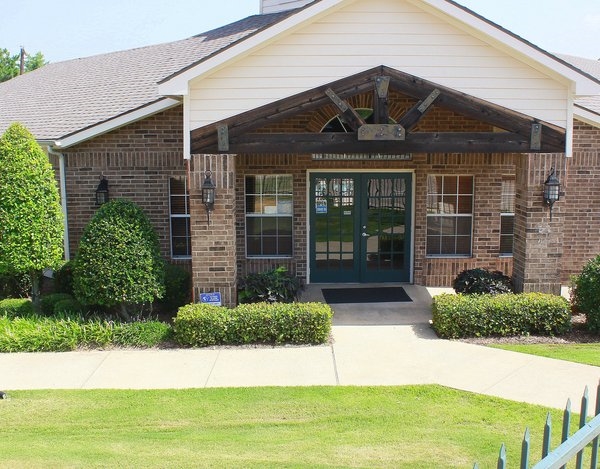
[[373, 344]]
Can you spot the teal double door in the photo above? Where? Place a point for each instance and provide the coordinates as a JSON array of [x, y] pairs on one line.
[[360, 227]]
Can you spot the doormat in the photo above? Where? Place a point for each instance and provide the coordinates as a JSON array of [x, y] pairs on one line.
[[365, 295]]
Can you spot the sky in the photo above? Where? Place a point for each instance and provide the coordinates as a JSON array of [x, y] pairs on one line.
[[68, 29]]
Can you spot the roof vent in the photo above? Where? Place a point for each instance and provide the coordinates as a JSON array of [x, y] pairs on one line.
[[274, 6]]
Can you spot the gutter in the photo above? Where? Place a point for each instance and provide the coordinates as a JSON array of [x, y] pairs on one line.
[[63, 195]]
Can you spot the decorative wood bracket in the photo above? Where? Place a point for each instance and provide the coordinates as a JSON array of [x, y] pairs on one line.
[[350, 115], [223, 137], [536, 136], [381, 132], [414, 115]]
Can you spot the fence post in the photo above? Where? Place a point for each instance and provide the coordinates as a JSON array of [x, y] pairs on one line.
[[594, 462]]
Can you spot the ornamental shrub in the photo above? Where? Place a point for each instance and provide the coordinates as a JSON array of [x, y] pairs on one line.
[[15, 286], [200, 325], [63, 278], [479, 281], [458, 316], [118, 262], [178, 288], [586, 293], [16, 307], [271, 286], [31, 220], [47, 302]]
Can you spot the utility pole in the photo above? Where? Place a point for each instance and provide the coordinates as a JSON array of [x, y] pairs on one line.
[[22, 65]]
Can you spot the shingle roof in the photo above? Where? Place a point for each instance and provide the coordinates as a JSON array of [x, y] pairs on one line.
[[65, 97], [591, 67]]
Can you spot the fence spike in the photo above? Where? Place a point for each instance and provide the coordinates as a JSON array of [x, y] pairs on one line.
[[547, 434], [525, 450], [566, 424], [502, 457], [595, 441], [585, 400], [476, 466]]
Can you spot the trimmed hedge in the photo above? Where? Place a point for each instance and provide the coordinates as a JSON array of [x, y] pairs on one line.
[[201, 325], [586, 293], [459, 316], [48, 302], [16, 307]]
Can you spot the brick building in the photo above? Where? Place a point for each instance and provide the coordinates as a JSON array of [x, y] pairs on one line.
[[359, 141]]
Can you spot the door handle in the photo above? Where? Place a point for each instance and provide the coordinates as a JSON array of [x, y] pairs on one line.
[[365, 235]]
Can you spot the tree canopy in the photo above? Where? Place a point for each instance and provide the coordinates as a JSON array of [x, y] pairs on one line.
[[10, 64], [31, 219]]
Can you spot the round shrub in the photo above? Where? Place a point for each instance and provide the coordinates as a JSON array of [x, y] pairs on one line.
[[177, 288], [118, 262], [586, 293], [482, 281], [69, 307], [16, 307], [48, 302]]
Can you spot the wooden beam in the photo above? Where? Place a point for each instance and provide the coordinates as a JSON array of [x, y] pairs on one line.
[[412, 117], [351, 117], [536, 136], [223, 137], [418, 142], [381, 114]]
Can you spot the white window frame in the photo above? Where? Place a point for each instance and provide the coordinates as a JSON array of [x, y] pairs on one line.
[[186, 215]]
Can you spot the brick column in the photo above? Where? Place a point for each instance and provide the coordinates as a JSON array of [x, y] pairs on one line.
[[214, 245], [537, 240]]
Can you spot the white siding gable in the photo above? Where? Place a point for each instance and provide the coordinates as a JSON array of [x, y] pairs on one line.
[[274, 6], [368, 33]]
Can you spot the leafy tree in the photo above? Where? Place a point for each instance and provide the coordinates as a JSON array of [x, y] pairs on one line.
[[118, 262], [31, 220], [10, 64]]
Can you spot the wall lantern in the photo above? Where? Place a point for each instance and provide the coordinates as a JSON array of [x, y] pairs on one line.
[[208, 194], [551, 190], [102, 191]]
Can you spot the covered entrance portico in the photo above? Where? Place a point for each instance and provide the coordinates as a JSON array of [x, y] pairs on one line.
[[366, 219]]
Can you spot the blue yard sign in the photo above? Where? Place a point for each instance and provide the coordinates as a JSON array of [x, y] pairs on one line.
[[213, 298]]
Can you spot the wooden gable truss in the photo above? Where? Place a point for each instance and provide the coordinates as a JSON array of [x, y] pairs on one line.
[[517, 133]]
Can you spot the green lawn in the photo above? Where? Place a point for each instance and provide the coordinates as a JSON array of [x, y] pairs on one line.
[[588, 354], [411, 427]]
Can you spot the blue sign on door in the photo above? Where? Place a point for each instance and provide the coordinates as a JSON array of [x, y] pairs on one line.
[[213, 298]]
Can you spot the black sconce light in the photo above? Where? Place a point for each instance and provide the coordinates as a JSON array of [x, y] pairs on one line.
[[102, 191], [551, 190], [208, 194]]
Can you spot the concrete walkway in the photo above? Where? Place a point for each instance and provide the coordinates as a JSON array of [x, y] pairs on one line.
[[376, 344]]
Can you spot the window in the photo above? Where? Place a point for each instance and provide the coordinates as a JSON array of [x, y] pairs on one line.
[[179, 208], [269, 216], [507, 217], [449, 215]]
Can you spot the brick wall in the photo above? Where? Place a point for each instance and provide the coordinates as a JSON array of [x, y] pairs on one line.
[[138, 161], [580, 206]]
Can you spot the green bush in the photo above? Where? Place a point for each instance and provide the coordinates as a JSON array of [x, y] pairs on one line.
[[69, 306], [200, 325], [586, 293], [15, 285], [272, 286], [482, 281], [118, 262], [457, 316], [16, 307], [47, 302], [63, 278], [177, 288]]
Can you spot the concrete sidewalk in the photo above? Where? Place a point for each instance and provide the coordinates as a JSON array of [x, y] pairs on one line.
[[383, 344]]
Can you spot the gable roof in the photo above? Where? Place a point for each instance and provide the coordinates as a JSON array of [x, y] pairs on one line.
[[587, 107], [63, 98], [78, 99]]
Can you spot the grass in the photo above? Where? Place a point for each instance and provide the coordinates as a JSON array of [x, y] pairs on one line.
[[406, 427], [588, 354]]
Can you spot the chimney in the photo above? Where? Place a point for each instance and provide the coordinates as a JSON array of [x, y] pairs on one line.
[[274, 6]]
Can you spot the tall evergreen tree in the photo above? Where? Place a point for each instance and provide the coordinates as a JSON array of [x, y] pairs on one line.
[[31, 220]]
